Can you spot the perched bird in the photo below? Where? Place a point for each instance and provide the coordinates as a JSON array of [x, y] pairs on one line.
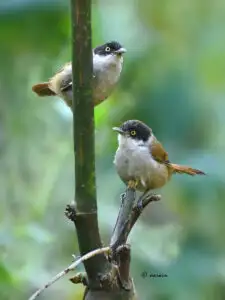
[[107, 66], [141, 160]]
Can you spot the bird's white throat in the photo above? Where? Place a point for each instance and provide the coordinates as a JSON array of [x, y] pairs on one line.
[[127, 142], [104, 61]]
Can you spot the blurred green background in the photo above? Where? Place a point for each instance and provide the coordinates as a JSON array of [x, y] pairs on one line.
[[174, 80]]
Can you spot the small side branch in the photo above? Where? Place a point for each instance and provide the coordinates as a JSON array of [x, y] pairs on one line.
[[87, 256], [137, 211]]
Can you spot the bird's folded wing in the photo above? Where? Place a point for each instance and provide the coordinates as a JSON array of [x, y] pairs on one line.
[[66, 85], [158, 153]]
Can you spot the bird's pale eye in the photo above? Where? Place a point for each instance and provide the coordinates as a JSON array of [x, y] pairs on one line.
[[107, 49], [133, 132]]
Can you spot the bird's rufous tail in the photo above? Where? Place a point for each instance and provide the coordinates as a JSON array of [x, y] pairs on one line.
[[42, 89], [185, 170]]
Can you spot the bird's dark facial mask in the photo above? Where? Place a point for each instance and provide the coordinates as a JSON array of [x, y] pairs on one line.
[[128, 133], [110, 48], [135, 129]]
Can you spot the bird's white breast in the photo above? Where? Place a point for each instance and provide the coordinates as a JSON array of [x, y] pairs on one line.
[[107, 71], [133, 160]]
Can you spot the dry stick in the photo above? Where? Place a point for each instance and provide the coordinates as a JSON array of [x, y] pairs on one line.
[[70, 268], [127, 203]]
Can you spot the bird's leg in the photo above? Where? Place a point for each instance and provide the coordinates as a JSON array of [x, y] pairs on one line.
[[132, 184]]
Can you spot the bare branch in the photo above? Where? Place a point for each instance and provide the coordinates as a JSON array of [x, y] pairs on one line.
[[70, 268], [127, 217], [119, 235]]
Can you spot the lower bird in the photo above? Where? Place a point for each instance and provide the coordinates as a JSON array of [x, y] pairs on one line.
[[141, 161], [107, 66]]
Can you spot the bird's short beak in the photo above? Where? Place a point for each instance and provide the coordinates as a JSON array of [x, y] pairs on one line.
[[121, 51], [119, 130]]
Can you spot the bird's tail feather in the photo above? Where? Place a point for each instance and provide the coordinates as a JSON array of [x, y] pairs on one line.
[[185, 170], [42, 89]]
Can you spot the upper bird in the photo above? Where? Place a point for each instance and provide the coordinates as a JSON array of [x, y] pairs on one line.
[[107, 66], [141, 160]]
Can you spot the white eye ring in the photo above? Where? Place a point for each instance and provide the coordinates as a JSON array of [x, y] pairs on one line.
[[107, 49]]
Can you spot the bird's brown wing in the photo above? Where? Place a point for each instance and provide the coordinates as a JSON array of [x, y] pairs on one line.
[[158, 153], [161, 156], [66, 84]]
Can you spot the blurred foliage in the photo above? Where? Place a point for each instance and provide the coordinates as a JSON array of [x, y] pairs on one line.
[[174, 80]]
